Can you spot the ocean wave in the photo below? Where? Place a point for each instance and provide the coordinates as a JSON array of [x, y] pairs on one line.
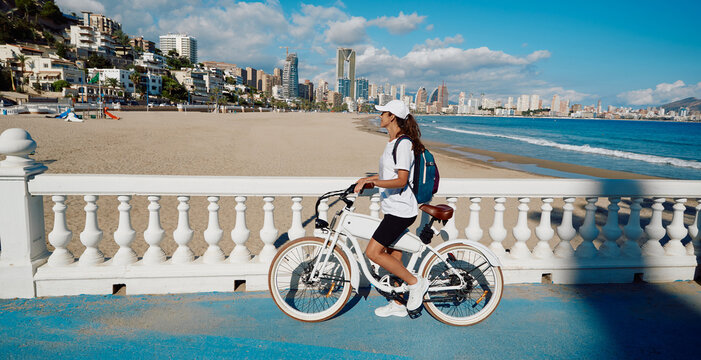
[[653, 159]]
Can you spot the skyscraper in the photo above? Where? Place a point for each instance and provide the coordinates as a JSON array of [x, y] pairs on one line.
[[290, 79], [442, 96], [344, 56], [420, 99], [555, 105], [361, 88], [184, 44], [402, 91]]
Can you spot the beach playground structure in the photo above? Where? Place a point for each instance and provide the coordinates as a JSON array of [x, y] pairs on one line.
[[657, 238]]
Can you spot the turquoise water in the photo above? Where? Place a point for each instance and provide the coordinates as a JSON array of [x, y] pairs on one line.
[[657, 148]]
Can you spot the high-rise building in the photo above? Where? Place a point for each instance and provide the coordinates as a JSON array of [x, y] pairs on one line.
[[393, 92], [522, 103], [184, 44], [321, 90], [361, 88], [100, 22], [598, 107], [534, 103], [346, 56], [433, 97], [420, 99], [510, 102], [290, 79], [343, 87], [252, 77], [555, 105], [402, 91], [442, 96], [462, 103]]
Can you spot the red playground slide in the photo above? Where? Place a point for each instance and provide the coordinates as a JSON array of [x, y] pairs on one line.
[[110, 114]]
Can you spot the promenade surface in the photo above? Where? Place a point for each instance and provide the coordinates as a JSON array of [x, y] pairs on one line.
[[630, 321]]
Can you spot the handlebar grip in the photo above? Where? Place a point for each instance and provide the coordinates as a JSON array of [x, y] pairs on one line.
[[368, 186]]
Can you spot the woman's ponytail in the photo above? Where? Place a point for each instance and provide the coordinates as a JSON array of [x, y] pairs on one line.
[[410, 128]]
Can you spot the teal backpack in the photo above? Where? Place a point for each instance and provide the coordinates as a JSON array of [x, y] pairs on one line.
[[426, 176]]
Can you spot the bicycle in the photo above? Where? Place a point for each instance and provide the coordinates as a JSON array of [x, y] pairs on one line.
[[311, 278]]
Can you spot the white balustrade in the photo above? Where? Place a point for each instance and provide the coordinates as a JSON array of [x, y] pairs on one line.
[[588, 231], [497, 231], [60, 236], [374, 205], [654, 230], [566, 231], [694, 246], [473, 231], [268, 233], [240, 234], [521, 231], [124, 235], [296, 230], [183, 233], [611, 230], [633, 231], [154, 233], [451, 232], [544, 232], [213, 234], [324, 215], [91, 235], [676, 230]]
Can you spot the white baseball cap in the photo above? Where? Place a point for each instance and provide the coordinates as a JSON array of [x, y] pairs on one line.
[[396, 107]]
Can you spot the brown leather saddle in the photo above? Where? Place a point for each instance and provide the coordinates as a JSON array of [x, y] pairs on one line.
[[440, 212]]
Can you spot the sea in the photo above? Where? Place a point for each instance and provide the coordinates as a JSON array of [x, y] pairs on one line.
[[657, 148]]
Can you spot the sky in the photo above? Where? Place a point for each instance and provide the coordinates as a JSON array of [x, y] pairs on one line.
[[626, 53]]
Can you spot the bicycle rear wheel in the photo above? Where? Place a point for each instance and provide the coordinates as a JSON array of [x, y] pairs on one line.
[[472, 303], [299, 297]]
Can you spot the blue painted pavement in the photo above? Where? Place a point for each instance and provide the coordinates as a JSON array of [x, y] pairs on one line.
[[630, 321]]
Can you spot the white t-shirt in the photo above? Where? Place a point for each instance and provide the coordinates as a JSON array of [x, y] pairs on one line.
[[395, 201]]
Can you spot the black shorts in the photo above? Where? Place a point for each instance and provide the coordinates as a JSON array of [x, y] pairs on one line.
[[391, 228]]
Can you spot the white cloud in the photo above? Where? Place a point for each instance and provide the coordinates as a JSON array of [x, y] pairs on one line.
[[438, 43], [661, 94], [347, 33], [400, 24], [307, 22], [80, 5], [429, 27]]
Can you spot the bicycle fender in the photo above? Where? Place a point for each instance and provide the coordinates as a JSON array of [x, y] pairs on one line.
[[355, 270], [489, 254]]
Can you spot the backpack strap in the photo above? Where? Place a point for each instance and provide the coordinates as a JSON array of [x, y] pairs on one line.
[[394, 156]]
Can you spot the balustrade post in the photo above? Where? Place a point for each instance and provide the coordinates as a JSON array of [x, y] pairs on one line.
[[521, 231], [22, 238], [60, 236], [268, 233], [473, 231], [124, 235], [375, 205], [654, 230], [566, 231], [588, 231], [240, 234], [213, 234], [183, 233], [612, 231], [544, 231], [91, 235], [676, 230], [497, 231], [296, 230], [450, 231], [694, 247], [324, 215], [632, 231], [154, 233]]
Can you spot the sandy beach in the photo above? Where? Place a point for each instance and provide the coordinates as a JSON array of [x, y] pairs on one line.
[[250, 144]]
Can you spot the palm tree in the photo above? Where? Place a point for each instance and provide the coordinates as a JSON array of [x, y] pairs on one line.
[[135, 78], [22, 60]]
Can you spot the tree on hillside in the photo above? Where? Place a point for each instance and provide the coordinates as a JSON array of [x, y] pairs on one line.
[[27, 8], [172, 90], [120, 37], [135, 78], [58, 85], [97, 61], [21, 59], [52, 12], [176, 62]]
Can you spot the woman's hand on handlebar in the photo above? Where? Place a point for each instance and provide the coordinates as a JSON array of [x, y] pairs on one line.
[[364, 183]]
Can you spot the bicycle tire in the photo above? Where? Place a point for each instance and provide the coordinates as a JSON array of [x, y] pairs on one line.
[[472, 304], [303, 301]]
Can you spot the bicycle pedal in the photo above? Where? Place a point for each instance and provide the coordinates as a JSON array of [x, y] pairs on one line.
[[413, 314]]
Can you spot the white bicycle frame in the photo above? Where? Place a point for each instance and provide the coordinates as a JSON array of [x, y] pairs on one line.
[[352, 226]]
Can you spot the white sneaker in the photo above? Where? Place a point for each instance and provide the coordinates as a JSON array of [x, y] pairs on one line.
[[391, 309], [416, 294]]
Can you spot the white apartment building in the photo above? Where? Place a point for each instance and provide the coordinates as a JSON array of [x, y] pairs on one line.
[[47, 70], [184, 44], [192, 79], [88, 39], [151, 63], [214, 81], [122, 76], [534, 103]]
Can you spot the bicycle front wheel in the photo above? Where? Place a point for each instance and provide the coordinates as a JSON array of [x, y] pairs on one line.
[[296, 294], [472, 303]]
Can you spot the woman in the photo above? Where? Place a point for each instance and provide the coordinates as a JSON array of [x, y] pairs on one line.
[[398, 202]]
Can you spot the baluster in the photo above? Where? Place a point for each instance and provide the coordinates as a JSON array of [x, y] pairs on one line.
[[154, 233], [124, 235], [544, 231], [473, 231], [324, 215], [60, 236], [588, 231], [566, 231], [654, 230], [632, 231], [676, 230], [296, 230], [521, 231], [612, 231], [497, 231], [268, 233], [374, 206], [183, 233], [91, 235], [213, 234], [450, 231], [694, 246], [240, 234]]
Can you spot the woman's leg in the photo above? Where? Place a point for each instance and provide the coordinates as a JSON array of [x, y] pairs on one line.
[[389, 261]]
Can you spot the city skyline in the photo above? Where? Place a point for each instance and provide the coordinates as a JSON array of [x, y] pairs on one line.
[[581, 51]]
